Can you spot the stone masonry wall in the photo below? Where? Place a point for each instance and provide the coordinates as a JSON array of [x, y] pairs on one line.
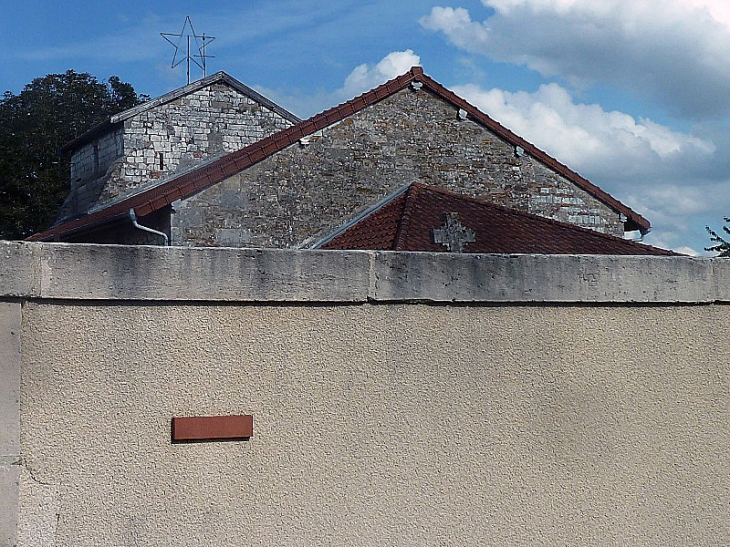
[[90, 166], [303, 193], [170, 138]]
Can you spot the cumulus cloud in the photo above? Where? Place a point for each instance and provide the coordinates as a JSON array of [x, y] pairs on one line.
[[676, 51], [658, 171], [362, 78], [588, 138], [366, 77]]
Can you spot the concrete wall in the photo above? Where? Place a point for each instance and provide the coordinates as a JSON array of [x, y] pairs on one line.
[[303, 193], [10, 365], [398, 399]]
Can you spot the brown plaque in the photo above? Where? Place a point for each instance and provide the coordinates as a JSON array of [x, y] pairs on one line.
[[211, 428]]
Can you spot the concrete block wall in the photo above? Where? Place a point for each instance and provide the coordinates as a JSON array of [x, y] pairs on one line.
[[398, 398], [303, 193]]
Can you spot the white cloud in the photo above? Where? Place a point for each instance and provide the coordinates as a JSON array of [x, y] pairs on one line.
[[718, 9], [689, 251], [586, 137], [676, 51], [650, 167], [365, 77]]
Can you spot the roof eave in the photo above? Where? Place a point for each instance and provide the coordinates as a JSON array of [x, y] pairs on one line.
[[78, 228]]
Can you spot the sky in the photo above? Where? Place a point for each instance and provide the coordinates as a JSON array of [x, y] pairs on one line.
[[632, 94]]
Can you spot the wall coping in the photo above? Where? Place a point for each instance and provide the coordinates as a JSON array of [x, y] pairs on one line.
[[118, 272]]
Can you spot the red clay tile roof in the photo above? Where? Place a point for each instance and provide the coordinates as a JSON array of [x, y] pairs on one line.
[[207, 175], [407, 223]]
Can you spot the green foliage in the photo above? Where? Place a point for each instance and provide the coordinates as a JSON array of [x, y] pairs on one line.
[[722, 246], [48, 113]]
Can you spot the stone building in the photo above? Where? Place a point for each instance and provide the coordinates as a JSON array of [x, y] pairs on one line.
[[164, 137], [294, 188]]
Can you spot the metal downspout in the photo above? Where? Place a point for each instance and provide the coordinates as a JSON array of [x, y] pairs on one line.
[[133, 218]]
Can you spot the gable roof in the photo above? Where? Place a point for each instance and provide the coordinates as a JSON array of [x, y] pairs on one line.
[[218, 77], [187, 184], [409, 219]]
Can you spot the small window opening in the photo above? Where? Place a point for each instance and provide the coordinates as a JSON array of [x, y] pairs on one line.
[[96, 157]]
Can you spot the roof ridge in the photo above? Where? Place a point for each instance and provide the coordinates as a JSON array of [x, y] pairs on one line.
[[170, 96], [404, 224]]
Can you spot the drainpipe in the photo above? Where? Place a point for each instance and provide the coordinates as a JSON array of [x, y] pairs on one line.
[[133, 218]]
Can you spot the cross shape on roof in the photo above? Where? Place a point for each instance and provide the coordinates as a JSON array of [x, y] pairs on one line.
[[453, 234]]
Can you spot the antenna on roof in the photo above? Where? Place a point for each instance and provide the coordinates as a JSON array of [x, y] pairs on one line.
[[187, 32]]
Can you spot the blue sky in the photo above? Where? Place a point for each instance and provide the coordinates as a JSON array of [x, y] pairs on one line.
[[632, 94]]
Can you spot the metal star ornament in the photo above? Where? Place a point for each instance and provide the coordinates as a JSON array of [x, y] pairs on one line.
[[200, 42]]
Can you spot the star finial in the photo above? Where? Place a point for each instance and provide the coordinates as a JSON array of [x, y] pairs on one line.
[[188, 32]]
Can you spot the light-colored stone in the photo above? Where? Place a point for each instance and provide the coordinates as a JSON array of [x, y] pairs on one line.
[[10, 364], [92, 272], [137, 146]]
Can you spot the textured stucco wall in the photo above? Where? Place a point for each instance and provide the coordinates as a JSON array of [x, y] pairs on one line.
[[303, 193], [402, 424], [398, 398]]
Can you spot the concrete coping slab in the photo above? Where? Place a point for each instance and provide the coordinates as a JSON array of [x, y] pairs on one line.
[[119, 272]]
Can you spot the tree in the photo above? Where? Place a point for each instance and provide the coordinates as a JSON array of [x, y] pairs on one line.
[[48, 113], [723, 246]]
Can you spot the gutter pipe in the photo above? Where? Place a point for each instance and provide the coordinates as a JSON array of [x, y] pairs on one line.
[[133, 218]]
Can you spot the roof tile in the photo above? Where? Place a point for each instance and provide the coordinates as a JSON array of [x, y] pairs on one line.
[[408, 221]]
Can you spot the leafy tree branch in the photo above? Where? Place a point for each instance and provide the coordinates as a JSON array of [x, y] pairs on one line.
[[49, 112]]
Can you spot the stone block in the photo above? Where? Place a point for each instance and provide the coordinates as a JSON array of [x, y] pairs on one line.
[[9, 501], [10, 363]]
